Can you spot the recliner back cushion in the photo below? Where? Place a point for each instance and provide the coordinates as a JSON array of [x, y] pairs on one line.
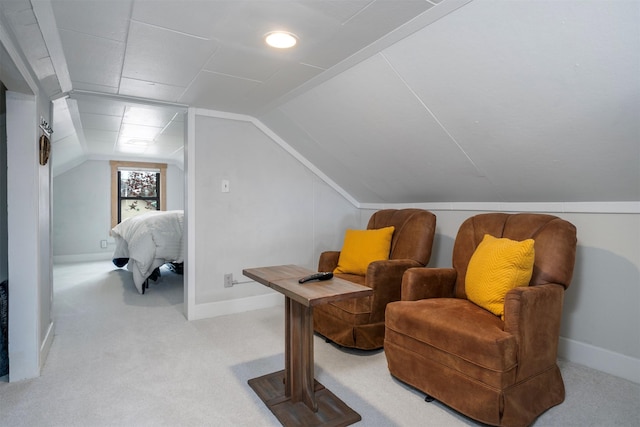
[[414, 231], [555, 243]]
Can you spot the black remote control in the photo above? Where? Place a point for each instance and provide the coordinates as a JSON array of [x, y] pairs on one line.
[[316, 276]]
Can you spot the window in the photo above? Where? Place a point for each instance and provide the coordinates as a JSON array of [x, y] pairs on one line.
[[136, 188], [138, 192]]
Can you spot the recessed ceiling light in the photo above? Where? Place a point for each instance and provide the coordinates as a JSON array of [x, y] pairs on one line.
[[280, 39]]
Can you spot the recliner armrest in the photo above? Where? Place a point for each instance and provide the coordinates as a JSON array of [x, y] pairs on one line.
[[328, 260], [533, 314], [385, 278], [422, 283], [380, 272]]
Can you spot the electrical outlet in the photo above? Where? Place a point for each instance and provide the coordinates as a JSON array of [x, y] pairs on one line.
[[103, 244], [228, 280]]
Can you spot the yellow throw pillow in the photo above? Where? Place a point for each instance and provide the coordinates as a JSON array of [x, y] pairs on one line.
[[361, 247], [497, 266]]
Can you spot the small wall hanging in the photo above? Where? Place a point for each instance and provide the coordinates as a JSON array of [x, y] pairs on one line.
[[45, 144], [45, 149]]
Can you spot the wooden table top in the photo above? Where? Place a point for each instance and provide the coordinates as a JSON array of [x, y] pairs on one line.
[[284, 279]]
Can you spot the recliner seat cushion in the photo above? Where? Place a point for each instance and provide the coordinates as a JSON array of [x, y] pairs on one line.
[[455, 333], [356, 311]]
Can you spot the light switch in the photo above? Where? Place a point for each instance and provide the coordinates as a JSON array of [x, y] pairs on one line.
[[225, 186]]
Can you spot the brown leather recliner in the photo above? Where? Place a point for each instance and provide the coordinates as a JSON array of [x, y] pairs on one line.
[[502, 373], [359, 323]]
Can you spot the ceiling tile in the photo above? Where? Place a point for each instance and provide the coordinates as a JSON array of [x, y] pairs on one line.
[[198, 18], [245, 63], [94, 136], [167, 145], [90, 87], [148, 116], [162, 56], [93, 105], [247, 23], [175, 129], [150, 90], [216, 91], [92, 59], [102, 18], [100, 122], [279, 84], [363, 29], [135, 131]]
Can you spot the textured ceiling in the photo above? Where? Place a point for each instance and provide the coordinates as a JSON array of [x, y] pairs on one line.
[[206, 54], [395, 101], [497, 102]]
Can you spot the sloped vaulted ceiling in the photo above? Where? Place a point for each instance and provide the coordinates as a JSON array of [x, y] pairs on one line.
[[395, 101], [499, 101]]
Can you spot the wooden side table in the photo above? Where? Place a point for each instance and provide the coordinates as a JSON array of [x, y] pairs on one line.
[[293, 395]]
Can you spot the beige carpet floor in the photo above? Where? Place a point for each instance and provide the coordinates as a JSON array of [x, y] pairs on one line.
[[124, 359]]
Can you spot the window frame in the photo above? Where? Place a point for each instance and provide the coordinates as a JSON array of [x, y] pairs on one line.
[[115, 200]]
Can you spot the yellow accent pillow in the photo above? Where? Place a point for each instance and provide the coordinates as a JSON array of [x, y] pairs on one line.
[[497, 266], [361, 247]]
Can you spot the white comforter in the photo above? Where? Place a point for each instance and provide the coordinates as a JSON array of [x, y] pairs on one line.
[[149, 240]]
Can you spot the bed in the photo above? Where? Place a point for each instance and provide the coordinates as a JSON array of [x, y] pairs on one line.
[[146, 242]]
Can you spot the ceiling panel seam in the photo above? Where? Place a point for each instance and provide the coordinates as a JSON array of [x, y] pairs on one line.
[[231, 75], [169, 29], [358, 12], [126, 43], [337, 160], [432, 114]]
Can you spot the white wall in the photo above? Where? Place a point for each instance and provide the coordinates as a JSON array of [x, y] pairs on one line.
[[175, 188], [28, 220], [82, 209], [3, 188], [276, 212], [279, 212], [601, 317]]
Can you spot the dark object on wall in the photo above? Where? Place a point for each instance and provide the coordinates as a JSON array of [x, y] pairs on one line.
[[4, 328], [45, 149]]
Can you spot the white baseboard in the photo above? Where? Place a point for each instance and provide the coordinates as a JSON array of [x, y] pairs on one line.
[[599, 358], [240, 305], [98, 256], [46, 344]]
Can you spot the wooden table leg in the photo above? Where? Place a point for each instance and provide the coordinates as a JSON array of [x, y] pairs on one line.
[[284, 390], [287, 346], [299, 369]]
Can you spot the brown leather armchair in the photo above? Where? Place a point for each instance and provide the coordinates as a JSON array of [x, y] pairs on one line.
[[502, 373], [359, 323]]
